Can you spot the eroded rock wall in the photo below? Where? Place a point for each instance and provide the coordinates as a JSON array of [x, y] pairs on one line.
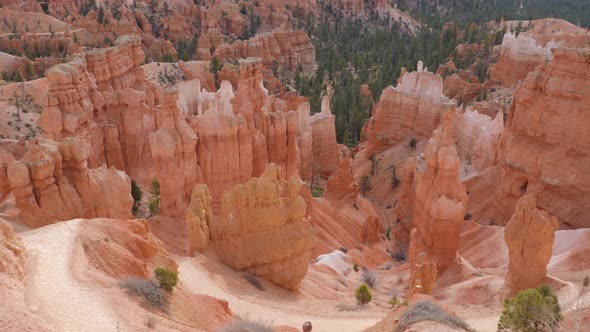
[[52, 182], [529, 237], [546, 143], [413, 109], [440, 201]]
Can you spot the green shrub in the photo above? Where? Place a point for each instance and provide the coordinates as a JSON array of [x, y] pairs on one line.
[[535, 309], [154, 201], [355, 267], [428, 311], [394, 301], [317, 192], [167, 279], [168, 58], [137, 194], [363, 295]]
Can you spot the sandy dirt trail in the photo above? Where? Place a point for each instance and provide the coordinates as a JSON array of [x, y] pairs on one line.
[[272, 308], [58, 297]]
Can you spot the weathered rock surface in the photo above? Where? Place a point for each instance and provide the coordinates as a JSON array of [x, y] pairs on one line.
[[12, 252], [518, 57], [342, 184], [198, 217], [529, 236], [546, 143], [22, 5], [123, 248], [52, 182], [131, 124], [150, 132], [15, 314], [423, 276], [413, 109], [287, 49], [478, 137], [263, 230], [440, 201]]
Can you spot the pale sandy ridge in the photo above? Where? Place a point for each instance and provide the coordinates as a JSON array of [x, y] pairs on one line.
[[272, 310], [51, 288]]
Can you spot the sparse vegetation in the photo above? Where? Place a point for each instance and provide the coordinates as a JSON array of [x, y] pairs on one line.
[[154, 201], [317, 191], [363, 295], [137, 194], [242, 325], [151, 294], [254, 281], [534, 309], [355, 267], [428, 311], [167, 279]]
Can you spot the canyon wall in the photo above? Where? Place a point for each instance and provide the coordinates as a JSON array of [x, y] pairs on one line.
[[413, 109], [220, 138], [546, 143], [277, 49], [132, 125]]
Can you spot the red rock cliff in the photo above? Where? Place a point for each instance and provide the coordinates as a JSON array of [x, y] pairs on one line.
[[546, 143]]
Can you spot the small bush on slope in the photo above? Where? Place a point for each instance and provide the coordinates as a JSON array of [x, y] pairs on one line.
[[167, 279], [241, 325], [363, 295], [152, 295], [535, 309], [428, 311]]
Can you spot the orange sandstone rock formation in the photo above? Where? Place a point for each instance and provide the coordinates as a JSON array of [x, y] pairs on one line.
[[545, 148], [131, 124], [122, 248], [529, 236], [423, 276], [440, 201], [325, 149], [478, 137], [287, 49], [413, 109], [198, 216], [52, 182], [263, 229], [518, 57], [342, 184]]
